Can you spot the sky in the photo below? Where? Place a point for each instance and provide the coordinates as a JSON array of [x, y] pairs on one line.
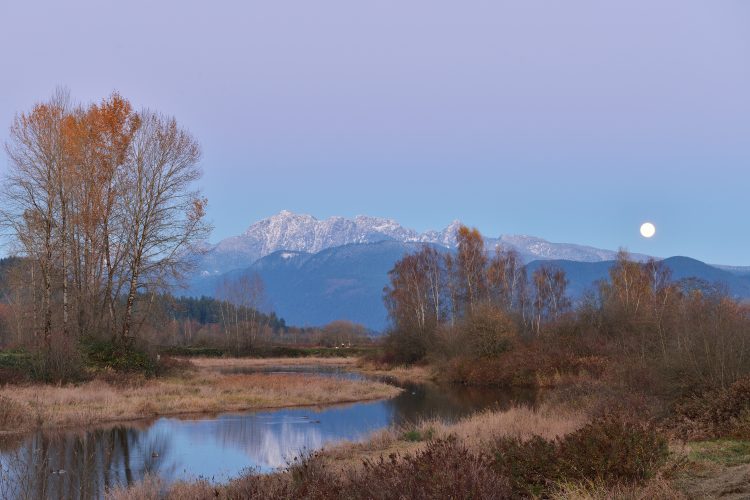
[[574, 121]]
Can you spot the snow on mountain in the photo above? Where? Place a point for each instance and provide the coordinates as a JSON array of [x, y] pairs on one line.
[[304, 233], [532, 248], [446, 237], [299, 232]]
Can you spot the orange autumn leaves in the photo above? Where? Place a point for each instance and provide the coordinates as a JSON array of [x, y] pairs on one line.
[[100, 199]]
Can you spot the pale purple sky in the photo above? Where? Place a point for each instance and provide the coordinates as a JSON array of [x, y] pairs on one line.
[[569, 120]]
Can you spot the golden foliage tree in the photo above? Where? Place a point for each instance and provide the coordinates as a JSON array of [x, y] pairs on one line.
[[100, 201]]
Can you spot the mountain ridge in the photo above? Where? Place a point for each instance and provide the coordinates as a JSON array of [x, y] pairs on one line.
[[303, 232]]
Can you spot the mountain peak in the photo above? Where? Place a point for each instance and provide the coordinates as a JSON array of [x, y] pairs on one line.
[[290, 231]]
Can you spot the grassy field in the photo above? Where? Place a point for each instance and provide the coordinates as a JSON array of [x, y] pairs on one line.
[[25, 407]]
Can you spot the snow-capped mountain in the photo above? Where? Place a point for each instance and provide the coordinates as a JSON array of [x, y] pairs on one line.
[[305, 233], [300, 233], [316, 271], [532, 248]]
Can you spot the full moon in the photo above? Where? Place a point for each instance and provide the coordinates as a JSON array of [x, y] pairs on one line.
[[647, 230]]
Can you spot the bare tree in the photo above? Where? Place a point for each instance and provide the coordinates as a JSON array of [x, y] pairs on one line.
[[31, 196], [550, 295], [414, 296], [506, 279], [100, 202], [164, 216], [241, 299]]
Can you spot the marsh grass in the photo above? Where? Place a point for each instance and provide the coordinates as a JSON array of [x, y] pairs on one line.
[[204, 391], [475, 431], [413, 374]]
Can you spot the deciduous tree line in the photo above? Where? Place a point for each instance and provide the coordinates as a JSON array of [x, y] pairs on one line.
[[430, 288], [100, 201], [687, 332]]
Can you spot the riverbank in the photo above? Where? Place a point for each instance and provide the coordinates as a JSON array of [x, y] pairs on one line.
[[201, 390], [411, 374], [555, 450], [345, 461], [405, 374]]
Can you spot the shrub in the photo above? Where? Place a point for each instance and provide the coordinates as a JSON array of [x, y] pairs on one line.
[[406, 346], [610, 450], [62, 362], [168, 365], [444, 469], [526, 365], [102, 355], [489, 332], [715, 413], [15, 366], [415, 435], [207, 352], [530, 466]]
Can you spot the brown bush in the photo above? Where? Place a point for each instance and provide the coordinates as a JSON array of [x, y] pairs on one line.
[[530, 364], [715, 413], [445, 469], [531, 466], [614, 450], [609, 450], [61, 362], [167, 365], [489, 331]]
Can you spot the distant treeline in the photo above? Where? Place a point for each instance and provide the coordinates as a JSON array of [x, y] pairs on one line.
[[208, 310], [484, 320]]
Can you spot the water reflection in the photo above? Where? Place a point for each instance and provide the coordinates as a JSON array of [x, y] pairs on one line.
[[79, 464], [82, 464]]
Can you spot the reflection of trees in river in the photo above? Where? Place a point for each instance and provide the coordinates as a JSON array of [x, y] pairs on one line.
[[80, 464], [98, 459], [450, 402]]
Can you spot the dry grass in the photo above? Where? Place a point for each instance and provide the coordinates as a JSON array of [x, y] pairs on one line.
[[219, 363], [149, 488], [474, 431], [657, 488], [405, 374], [204, 391], [521, 422]]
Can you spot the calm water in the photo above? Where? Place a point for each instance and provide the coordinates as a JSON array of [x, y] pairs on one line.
[[81, 464]]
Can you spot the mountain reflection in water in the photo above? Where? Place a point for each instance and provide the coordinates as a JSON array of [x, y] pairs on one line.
[[83, 463]]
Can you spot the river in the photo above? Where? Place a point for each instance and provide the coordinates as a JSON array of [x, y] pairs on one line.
[[83, 463]]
